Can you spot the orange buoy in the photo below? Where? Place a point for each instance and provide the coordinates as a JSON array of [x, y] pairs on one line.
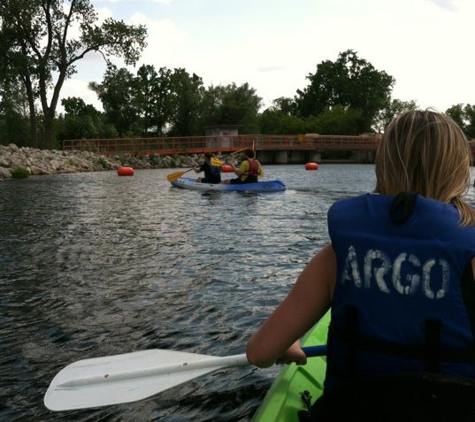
[[311, 166], [125, 171], [226, 168]]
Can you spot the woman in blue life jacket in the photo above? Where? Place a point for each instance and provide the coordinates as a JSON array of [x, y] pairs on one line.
[[249, 170], [398, 273], [212, 173]]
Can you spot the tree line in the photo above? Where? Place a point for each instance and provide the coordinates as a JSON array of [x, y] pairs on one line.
[[347, 96]]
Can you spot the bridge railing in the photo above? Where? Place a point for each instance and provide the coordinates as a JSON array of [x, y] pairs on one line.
[[221, 144], [226, 143]]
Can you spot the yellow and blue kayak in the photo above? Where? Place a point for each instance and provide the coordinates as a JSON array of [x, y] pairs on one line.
[[296, 385]]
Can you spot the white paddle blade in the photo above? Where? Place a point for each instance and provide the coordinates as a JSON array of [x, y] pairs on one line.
[[128, 377]]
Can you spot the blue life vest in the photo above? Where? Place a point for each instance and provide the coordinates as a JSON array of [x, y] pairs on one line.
[[397, 305]]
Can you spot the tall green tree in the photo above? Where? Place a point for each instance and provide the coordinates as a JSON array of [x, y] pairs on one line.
[[232, 105], [464, 116], [117, 94], [349, 82], [457, 113], [337, 120], [153, 98], [185, 96], [470, 116], [82, 120], [281, 118], [14, 123], [38, 46], [392, 109]]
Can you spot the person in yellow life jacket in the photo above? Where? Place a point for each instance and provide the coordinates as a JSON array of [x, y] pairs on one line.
[[249, 170]]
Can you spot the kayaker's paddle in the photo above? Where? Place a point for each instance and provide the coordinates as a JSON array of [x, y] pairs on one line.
[[237, 152], [175, 176], [134, 376], [218, 163]]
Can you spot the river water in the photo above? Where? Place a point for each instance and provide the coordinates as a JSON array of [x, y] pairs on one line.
[[92, 264]]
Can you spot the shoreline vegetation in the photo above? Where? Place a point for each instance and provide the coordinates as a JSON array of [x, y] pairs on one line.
[[46, 162]]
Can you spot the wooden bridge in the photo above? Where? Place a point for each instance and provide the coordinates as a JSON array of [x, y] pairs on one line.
[[302, 147], [223, 143]]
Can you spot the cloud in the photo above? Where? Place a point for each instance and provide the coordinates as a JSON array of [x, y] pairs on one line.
[[445, 4], [421, 43]]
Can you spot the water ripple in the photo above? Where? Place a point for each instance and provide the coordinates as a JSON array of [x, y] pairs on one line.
[[94, 265]]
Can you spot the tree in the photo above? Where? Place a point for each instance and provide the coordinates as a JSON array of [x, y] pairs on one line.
[[337, 120], [185, 96], [37, 46], [394, 107], [350, 82], [14, 124], [285, 105], [274, 122], [470, 116], [152, 98], [464, 116], [83, 121], [457, 114], [117, 95], [232, 105]]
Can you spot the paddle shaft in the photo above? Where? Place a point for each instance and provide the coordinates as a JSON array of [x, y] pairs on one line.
[[313, 351], [226, 362]]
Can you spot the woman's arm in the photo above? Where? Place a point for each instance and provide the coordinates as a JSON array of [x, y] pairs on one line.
[[243, 168], [278, 338]]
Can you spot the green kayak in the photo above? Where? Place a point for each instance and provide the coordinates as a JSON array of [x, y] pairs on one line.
[[425, 396], [284, 398]]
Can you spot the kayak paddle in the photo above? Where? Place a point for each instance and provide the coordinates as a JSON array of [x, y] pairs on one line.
[[175, 176], [134, 376], [216, 162]]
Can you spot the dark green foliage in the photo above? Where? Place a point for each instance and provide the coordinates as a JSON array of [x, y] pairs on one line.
[[14, 122], [275, 122], [464, 116], [83, 121], [336, 121], [393, 108], [37, 49], [20, 173], [232, 105], [349, 82]]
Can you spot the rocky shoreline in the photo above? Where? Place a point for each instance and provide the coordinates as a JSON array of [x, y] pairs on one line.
[[45, 162]]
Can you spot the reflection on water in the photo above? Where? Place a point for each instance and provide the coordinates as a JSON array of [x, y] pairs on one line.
[[94, 264]]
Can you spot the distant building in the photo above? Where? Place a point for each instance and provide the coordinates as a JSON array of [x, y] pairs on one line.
[[219, 136], [222, 130]]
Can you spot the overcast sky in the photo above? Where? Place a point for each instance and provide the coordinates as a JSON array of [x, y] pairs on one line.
[[426, 45]]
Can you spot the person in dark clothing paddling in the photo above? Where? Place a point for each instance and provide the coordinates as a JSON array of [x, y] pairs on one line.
[[212, 173]]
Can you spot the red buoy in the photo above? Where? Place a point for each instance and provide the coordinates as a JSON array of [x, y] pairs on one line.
[[311, 166], [125, 171], [226, 168]]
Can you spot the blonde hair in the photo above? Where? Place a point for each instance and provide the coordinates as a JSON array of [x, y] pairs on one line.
[[426, 152]]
